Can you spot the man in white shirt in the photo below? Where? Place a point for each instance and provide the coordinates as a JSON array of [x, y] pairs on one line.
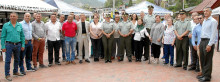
[[53, 29]]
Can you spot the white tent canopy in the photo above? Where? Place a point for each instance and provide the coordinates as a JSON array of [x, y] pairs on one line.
[[143, 6], [26, 6], [65, 8], [216, 11]]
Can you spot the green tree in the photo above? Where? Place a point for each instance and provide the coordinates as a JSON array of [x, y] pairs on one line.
[[109, 3], [130, 3]]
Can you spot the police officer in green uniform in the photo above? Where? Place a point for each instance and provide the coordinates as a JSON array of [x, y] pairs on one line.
[[182, 29], [125, 30], [107, 39], [149, 20]]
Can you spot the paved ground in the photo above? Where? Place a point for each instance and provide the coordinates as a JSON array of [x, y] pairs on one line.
[[112, 72]]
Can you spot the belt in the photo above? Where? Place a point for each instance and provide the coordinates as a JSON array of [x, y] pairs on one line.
[[205, 39], [13, 43], [84, 34], [28, 40], [185, 36]]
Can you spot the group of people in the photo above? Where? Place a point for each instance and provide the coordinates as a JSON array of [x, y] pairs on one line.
[[136, 37]]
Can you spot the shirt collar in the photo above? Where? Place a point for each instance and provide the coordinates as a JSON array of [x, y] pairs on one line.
[[15, 24], [26, 22]]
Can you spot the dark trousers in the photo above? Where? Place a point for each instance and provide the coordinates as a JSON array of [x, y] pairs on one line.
[[168, 53], [133, 45], [146, 45], [156, 50], [125, 44], [182, 51], [101, 50], [206, 58], [116, 42], [27, 53], [62, 45], [15, 49], [96, 47], [53, 46], [107, 44], [195, 57], [138, 49]]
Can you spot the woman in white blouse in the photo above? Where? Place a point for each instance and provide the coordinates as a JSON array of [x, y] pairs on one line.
[[134, 19], [96, 34], [168, 41], [140, 33]]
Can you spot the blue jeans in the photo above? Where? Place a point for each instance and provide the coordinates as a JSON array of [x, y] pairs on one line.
[[15, 49], [70, 42], [169, 50], [28, 54], [62, 43]]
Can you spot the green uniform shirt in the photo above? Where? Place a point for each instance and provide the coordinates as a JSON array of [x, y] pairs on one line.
[[125, 27], [107, 27], [149, 20], [11, 34], [182, 26]]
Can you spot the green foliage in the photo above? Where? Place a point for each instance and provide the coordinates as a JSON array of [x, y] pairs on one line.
[[187, 3], [130, 3], [109, 3]]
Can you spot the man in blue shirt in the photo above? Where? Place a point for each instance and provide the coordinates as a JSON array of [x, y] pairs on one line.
[[207, 44], [195, 43], [12, 41], [27, 53]]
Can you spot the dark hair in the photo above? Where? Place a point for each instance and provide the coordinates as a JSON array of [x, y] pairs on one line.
[[132, 17], [142, 21], [94, 17], [201, 15], [157, 16]]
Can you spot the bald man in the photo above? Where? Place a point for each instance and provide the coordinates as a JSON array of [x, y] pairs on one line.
[[27, 53]]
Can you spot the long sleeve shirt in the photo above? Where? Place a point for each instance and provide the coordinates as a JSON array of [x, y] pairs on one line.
[[38, 30], [27, 28], [196, 35], [12, 34], [209, 30], [156, 33]]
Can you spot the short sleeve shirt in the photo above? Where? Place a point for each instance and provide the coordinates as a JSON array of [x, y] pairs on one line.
[[182, 26], [125, 27]]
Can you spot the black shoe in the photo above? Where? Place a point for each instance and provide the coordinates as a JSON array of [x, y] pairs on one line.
[[130, 60], [42, 66], [87, 60], [139, 60], [197, 70], [192, 68], [199, 77], [165, 63], [109, 61], [185, 68], [58, 63], [102, 57], [152, 55], [106, 61], [50, 64], [136, 60], [80, 61], [24, 73], [95, 59], [177, 66], [204, 79], [171, 64]]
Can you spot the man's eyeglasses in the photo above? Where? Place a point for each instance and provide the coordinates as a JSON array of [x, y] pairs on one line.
[[199, 18]]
